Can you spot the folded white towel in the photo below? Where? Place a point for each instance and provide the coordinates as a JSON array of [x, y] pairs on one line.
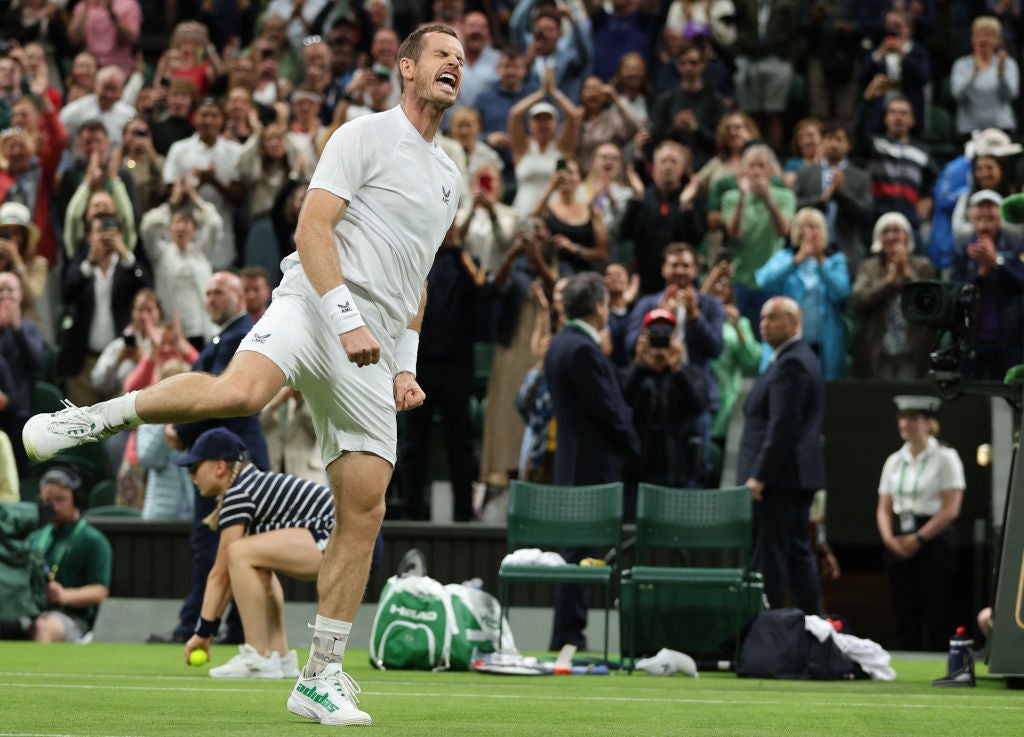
[[533, 557]]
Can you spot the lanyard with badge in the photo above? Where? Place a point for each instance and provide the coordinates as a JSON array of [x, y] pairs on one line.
[[44, 543], [907, 523]]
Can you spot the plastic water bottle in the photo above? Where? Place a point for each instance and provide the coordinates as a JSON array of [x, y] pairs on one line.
[[960, 654]]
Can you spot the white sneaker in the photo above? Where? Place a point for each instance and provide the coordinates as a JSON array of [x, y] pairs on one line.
[[289, 665], [249, 664], [328, 698], [46, 435]]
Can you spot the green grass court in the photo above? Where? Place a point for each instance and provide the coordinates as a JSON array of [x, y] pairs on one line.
[[118, 690]]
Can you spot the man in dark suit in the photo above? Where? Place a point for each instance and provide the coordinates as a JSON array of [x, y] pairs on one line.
[[781, 458], [225, 304], [594, 426], [840, 190], [97, 293]]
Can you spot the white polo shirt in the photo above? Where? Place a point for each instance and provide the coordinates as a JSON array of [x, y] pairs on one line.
[[916, 484], [402, 193], [191, 153]]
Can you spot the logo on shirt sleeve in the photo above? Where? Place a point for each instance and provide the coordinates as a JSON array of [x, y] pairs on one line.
[[445, 195]]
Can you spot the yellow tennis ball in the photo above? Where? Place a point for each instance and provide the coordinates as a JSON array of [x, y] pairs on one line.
[[197, 657]]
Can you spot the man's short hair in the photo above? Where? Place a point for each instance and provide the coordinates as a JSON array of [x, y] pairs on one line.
[[182, 86], [677, 247], [93, 125], [898, 98], [511, 52], [830, 127], [675, 146], [759, 148], [185, 209], [29, 99], [112, 72], [412, 46], [548, 12], [255, 272], [582, 294]]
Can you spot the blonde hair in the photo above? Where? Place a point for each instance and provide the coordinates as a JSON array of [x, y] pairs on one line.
[[990, 22], [212, 520], [807, 213], [173, 367]]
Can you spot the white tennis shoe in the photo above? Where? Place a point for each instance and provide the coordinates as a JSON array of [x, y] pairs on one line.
[[249, 664], [329, 698], [46, 435]]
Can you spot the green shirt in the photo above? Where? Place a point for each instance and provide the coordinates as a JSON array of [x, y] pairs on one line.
[[757, 241], [738, 359], [82, 558]]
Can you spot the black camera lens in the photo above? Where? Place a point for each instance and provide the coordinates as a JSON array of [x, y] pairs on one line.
[[925, 300]]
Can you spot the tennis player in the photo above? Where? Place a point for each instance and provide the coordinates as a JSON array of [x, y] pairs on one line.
[[343, 329]]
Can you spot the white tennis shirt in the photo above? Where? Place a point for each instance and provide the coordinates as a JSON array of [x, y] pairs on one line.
[[402, 193]]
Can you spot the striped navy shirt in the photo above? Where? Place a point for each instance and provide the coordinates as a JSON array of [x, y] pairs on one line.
[[264, 501]]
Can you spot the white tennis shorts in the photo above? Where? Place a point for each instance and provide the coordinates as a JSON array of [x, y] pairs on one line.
[[353, 407]]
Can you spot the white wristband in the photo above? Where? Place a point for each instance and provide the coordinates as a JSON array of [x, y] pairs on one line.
[[341, 310], [406, 349]]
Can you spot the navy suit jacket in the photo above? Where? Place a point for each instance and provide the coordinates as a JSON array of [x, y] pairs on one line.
[[594, 425], [79, 298], [781, 443], [214, 358], [704, 339]]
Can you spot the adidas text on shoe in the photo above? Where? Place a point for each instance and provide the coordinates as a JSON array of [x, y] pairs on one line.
[[329, 698], [249, 664], [46, 435]]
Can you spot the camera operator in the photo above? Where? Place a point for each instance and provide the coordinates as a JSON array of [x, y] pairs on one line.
[[667, 398], [699, 321], [78, 559], [991, 261]]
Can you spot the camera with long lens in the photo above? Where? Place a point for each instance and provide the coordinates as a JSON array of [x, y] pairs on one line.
[[950, 308]]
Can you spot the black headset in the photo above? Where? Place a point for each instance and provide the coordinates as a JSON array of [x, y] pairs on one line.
[[75, 486]]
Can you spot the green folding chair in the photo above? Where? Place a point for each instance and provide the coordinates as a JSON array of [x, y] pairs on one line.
[[46, 397], [546, 517], [690, 519], [103, 494]]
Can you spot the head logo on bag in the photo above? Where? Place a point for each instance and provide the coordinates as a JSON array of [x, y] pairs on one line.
[[424, 625]]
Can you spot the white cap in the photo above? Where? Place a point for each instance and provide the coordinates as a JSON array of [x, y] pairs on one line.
[[923, 403], [543, 108], [985, 195]]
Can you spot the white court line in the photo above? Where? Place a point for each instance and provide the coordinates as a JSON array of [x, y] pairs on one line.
[[959, 706], [598, 683], [50, 734]]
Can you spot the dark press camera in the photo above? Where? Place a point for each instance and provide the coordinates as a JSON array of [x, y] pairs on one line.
[[947, 307], [659, 336]]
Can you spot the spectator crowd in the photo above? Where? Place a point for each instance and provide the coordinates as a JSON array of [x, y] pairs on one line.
[[703, 156]]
